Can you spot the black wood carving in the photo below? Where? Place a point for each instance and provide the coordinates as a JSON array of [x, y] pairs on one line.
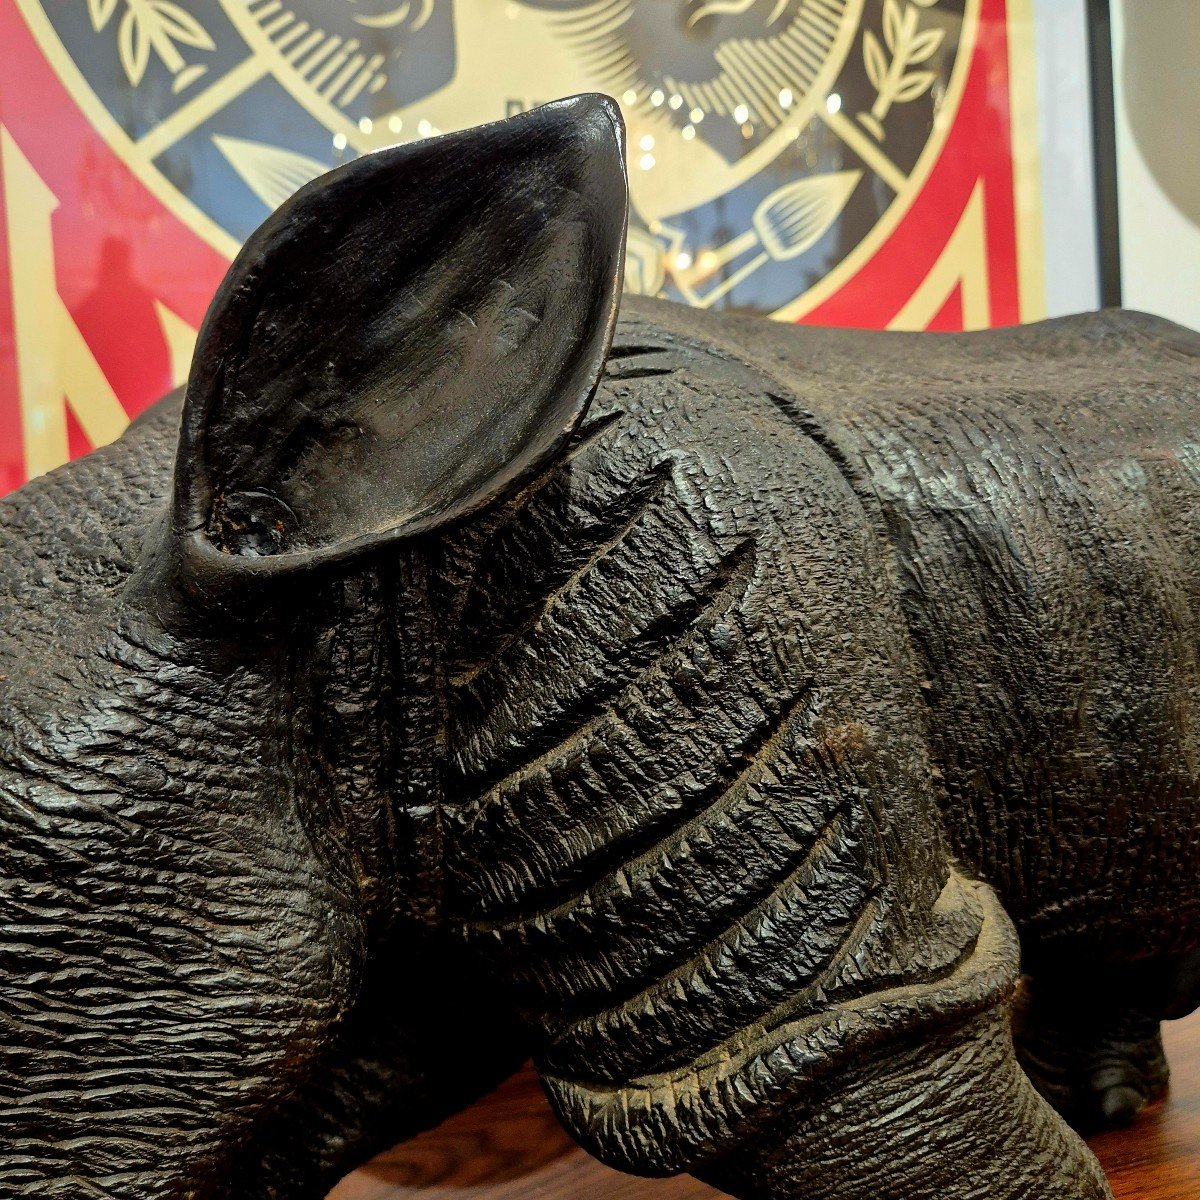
[[703, 707]]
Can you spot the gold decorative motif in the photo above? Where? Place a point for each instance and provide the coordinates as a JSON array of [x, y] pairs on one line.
[[416, 12], [793, 218], [645, 271], [734, 172], [49, 381], [270, 172], [909, 46], [157, 25], [712, 8], [789, 221]]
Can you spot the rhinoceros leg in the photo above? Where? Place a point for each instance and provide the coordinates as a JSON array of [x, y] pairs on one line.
[[950, 1116], [1091, 1040]]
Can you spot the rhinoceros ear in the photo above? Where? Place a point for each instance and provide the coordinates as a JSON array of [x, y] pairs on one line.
[[406, 339]]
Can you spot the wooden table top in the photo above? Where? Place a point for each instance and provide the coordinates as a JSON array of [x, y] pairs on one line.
[[508, 1146]]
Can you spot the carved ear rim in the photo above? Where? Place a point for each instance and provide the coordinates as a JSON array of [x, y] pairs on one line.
[[582, 172]]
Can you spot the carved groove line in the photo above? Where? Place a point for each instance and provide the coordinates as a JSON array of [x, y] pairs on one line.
[[633, 855], [609, 540], [691, 987], [634, 350], [667, 635]]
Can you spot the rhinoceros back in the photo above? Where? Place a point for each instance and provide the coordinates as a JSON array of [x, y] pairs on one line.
[[1039, 491]]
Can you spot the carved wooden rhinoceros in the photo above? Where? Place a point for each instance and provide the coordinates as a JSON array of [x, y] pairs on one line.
[[692, 702]]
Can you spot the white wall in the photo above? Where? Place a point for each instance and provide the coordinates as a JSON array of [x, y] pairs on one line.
[[1156, 62], [1064, 105]]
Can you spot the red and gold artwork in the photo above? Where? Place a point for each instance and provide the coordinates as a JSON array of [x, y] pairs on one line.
[[852, 162]]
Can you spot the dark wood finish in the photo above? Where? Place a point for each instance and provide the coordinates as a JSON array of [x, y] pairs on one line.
[[509, 1146]]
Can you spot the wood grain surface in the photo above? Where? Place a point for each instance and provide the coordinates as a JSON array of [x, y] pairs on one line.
[[509, 1146]]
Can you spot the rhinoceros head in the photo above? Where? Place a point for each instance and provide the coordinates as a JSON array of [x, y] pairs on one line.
[[218, 701]]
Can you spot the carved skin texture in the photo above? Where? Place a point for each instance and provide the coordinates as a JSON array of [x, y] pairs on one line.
[[1039, 493], [678, 760], [198, 997]]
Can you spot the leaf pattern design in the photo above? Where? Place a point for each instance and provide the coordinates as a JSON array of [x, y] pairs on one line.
[[926, 45], [888, 69], [133, 43], [914, 85], [158, 26], [875, 60], [179, 25], [100, 12], [893, 20]]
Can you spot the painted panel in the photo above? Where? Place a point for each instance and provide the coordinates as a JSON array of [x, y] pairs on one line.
[[854, 162]]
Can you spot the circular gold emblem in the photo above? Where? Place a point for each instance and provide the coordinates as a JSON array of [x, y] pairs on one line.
[[771, 142]]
